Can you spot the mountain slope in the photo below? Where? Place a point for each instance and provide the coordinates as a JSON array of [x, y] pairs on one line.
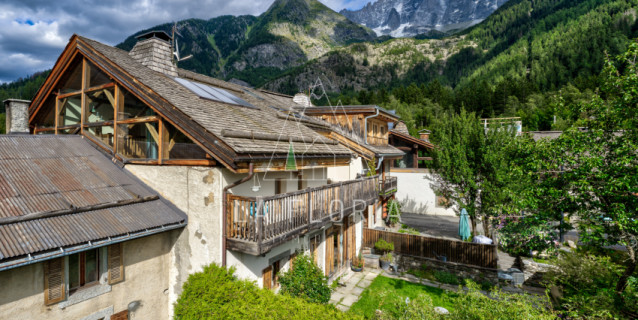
[[210, 42], [405, 18], [256, 49], [544, 43], [288, 34]]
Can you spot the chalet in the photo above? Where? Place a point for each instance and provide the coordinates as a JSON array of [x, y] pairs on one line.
[[259, 177], [415, 194], [74, 228]]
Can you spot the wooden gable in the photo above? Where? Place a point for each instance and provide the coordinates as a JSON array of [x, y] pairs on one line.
[[87, 94]]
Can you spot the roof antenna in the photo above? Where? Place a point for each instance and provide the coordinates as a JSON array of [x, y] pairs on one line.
[[176, 46]]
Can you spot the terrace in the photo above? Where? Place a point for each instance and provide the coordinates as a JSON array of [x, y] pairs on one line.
[[255, 225]]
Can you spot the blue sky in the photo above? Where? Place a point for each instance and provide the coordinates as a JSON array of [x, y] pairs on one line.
[[33, 33]]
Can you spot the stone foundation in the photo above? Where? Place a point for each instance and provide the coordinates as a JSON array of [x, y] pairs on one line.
[[477, 274]]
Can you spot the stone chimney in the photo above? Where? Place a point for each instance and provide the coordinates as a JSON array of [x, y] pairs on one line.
[[424, 135], [302, 99], [17, 113], [153, 49]]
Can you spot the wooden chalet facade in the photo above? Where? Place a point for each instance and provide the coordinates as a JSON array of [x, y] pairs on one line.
[[260, 179]]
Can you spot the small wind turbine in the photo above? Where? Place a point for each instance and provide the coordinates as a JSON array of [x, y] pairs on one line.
[[176, 45]]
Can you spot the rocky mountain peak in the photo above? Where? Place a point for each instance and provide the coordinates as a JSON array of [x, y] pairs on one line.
[[405, 18]]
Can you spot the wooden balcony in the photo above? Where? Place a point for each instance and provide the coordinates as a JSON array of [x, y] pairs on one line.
[[255, 225], [387, 186]]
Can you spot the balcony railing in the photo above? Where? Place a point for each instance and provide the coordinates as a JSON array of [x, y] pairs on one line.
[[387, 186], [255, 225]]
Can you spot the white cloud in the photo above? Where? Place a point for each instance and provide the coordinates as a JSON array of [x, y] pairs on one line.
[[33, 33]]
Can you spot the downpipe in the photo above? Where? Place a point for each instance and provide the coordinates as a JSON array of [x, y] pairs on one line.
[[251, 172]]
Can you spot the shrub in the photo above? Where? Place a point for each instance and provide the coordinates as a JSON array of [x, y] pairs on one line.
[[383, 246], [519, 237], [587, 283], [215, 293], [305, 280]]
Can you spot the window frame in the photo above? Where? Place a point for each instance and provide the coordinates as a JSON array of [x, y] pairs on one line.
[[82, 271]]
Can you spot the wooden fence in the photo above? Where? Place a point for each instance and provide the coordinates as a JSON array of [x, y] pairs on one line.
[[481, 255]]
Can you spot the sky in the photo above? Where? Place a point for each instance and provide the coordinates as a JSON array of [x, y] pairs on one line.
[[33, 33]]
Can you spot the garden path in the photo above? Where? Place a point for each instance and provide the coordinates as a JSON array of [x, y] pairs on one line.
[[355, 282]]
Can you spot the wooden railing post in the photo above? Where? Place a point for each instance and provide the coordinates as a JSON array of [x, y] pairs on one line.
[[260, 222]]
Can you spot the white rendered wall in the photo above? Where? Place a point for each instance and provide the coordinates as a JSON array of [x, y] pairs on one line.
[[417, 196]]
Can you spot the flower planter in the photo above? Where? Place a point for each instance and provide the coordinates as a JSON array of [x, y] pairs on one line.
[[356, 269], [385, 265]]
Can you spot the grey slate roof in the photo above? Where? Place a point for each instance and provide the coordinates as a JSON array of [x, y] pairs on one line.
[[215, 116], [60, 191]]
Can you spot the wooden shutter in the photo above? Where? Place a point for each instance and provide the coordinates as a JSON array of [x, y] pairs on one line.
[[54, 285], [115, 264], [267, 277], [122, 315]]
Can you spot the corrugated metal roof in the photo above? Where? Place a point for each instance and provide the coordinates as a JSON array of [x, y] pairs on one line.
[[59, 191]]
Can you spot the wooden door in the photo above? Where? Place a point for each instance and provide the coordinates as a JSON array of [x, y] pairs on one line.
[[352, 240], [329, 259], [267, 277]]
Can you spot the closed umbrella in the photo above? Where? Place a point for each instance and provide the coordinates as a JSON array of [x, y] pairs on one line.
[[464, 225]]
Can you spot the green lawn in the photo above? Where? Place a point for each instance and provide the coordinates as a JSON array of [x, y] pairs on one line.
[[372, 297]]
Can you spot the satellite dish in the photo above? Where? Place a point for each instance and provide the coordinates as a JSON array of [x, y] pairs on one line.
[[176, 46]]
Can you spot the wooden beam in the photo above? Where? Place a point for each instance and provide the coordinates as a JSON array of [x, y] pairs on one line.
[[83, 101], [139, 120], [119, 101], [178, 162], [104, 86]]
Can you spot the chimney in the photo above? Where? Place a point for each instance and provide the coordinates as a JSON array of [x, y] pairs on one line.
[[153, 49], [302, 99], [17, 113], [424, 135]]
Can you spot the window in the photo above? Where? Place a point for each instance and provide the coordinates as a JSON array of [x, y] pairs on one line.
[[70, 111], [46, 118], [96, 76], [138, 140], [83, 269], [102, 133], [100, 105], [134, 108], [71, 81], [178, 146]]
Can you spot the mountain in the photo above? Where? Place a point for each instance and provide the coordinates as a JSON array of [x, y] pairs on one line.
[[256, 49], [407, 18], [537, 44]]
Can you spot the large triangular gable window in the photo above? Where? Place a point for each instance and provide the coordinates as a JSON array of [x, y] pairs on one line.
[[87, 101]]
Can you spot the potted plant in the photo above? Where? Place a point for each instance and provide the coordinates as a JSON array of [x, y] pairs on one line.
[[357, 264], [386, 261], [382, 246]]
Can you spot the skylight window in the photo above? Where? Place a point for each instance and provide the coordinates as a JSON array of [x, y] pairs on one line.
[[211, 93]]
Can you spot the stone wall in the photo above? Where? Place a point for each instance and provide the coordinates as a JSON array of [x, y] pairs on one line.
[[477, 274]]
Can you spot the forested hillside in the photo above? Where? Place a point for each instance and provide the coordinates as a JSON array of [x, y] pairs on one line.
[[527, 59]]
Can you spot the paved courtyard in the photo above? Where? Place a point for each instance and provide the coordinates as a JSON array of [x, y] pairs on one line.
[[355, 282]]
